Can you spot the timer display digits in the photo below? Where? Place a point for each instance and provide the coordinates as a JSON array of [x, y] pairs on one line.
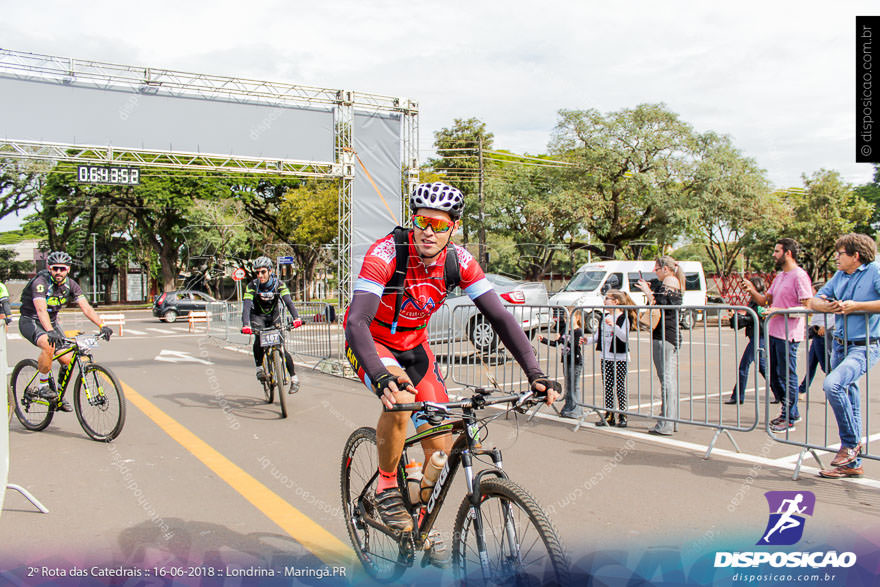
[[108, 175]]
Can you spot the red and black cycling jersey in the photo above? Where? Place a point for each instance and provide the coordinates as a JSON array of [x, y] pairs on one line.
[[424, 290], [57, 295], [369, 317]]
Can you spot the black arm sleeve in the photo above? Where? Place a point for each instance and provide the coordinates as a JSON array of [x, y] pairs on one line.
[[512, 335], [288, 301], [549, 342], [246, 308], [4, 307], [357, 333]]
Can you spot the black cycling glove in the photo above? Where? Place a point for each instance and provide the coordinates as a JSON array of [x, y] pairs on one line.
[[380, 384], [55, 338], [547, 383], [106, 331]]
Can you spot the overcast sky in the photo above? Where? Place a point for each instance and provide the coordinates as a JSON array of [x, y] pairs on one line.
[[778, 77]]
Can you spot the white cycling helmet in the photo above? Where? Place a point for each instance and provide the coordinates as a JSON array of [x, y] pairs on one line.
[[437, 196], [263, 262]]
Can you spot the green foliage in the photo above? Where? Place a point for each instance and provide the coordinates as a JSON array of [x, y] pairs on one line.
[[12, 269], [11, 237]]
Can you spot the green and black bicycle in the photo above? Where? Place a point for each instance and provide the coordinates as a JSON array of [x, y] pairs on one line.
[[501, 534], [98, 400]]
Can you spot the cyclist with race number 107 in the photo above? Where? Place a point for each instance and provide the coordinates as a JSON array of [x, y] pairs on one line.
[[41, 300], [394, 360], [262, 310]]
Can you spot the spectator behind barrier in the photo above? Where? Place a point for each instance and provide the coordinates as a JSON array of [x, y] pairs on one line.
[[746, 321]]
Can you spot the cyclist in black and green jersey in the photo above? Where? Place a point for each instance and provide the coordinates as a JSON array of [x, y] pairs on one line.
[[261, 308], [41, 300], [5, 310]]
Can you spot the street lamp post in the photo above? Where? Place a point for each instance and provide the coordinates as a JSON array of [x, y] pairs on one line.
[[94, 271]]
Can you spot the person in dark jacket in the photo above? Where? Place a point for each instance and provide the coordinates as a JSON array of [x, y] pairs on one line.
[[572, 362], [746, 321]]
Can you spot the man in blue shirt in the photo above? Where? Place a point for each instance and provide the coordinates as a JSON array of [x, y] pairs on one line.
[[853, 291]]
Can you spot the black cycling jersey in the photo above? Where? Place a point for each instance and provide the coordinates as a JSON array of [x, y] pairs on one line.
[[262, 299], [57, 295]]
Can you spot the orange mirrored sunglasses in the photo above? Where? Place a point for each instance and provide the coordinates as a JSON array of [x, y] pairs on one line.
[[436, 224]]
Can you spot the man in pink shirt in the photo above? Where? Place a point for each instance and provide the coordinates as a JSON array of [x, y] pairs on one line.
[[790, 288]]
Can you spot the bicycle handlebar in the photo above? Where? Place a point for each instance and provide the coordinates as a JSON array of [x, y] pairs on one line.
[[477, 401]]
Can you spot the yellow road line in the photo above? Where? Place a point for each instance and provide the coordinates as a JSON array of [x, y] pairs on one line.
[[300, 527]]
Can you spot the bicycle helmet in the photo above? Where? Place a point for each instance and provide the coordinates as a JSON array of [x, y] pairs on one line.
[[437, 196], [263, 262], [58, 258]]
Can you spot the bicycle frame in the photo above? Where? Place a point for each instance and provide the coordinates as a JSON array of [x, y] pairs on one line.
[[61, 386], [465, 446]]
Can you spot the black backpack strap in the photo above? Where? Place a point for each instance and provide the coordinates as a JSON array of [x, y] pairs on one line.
[[451, 269], [395, 284]]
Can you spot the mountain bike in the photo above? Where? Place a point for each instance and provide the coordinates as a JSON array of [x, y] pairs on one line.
[[98, 400], [500, 535], [277, 377]]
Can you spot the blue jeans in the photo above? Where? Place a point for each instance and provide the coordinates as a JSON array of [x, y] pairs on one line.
[[842, 390], [572, 387], [783, 375], [745, 365], [815, 359]]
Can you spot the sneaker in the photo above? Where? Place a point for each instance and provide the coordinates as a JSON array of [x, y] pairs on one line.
[[261, 375], [782, 426], [63, 406], [609, 418], [621, 421], [778, 419], [294, 384], [45, 392], [437, 554], [796, 419], [392, 511]]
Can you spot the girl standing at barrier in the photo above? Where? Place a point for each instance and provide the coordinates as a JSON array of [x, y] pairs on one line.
[[612, 341], [572, 362]]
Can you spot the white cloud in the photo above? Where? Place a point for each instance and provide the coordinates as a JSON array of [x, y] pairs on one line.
[[778, 77]]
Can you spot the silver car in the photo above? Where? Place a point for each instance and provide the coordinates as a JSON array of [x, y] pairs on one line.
[[458, 319]]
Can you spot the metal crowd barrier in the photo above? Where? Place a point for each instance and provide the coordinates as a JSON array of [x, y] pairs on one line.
[[473, 358], [818, 431], [312, 339]]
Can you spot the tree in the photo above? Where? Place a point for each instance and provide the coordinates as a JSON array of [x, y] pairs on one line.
[[870, 192], [310, 215], [727, 194], [825, 209], [20, 183], [12, 269], [526, 206], [458, 148], [628, 173]]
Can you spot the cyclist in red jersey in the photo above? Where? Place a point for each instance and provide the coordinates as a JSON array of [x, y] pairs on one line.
[[390, 353]]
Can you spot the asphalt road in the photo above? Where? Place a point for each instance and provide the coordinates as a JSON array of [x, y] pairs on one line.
[[206, 473]]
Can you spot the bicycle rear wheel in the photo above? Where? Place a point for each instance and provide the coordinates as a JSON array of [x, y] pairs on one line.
[[99, 403], [522, 546], [378, 552], [282, 379], [32, 411]]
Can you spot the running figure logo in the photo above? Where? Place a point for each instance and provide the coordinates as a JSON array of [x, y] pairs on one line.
[[787, 509]]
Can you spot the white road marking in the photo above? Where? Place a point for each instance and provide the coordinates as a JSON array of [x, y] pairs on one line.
[[161, 330], [133, 331], [13, 336], [179, 357]]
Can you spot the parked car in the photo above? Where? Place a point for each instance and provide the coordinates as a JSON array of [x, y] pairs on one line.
[[169, 305], [526, 300], [589, 284]]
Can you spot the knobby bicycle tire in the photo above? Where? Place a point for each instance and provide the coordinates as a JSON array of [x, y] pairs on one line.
[[379, 553], [102, 415], [34, 413], [280, 375], [268, 389], [542, 559]]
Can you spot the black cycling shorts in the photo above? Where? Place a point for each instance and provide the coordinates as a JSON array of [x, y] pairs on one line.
[[32, 330]]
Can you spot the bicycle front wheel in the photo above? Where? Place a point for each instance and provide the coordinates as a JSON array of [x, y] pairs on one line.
[[268, 390], [522, 546], [378, 552], [31, 410], [99, 403], [281, 380]]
